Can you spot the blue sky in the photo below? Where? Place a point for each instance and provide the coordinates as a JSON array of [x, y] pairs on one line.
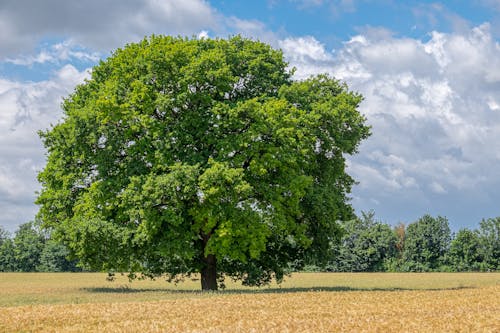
[[429, 71]]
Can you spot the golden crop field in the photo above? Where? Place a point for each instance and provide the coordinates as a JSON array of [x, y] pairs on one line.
[[305, 302]]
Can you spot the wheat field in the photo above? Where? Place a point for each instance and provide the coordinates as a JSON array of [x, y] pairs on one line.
[[305, 302]]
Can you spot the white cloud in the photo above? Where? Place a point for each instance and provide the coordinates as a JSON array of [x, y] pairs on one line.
[[105, 25], [26, 108], [99, 24], [308, 56], [434, 108], [305, 49], [247, 27], [254, 29], [437, 188], [56, 53], [492, 104], [40, 58], [203, 34]]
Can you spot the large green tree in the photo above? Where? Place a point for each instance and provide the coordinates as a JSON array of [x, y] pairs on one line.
[[184, 156]]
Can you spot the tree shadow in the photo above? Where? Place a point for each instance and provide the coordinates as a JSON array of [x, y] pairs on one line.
[[129, 290]]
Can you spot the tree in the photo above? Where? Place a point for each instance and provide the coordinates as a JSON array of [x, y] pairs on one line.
[[54, 258], [489, 237], [366, 245], [202, 156], [4, 234], [397, 261], [7, 260], [28, 246], [426, 243], [400, 231], [464, 254]]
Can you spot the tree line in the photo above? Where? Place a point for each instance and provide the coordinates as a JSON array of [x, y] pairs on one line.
[[32, 249], [426, 245], [364, 245]]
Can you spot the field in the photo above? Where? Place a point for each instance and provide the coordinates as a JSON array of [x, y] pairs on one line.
[[306, 302]]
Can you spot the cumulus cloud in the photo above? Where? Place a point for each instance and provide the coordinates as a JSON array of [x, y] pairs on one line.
[[434, 108], [251, 29], [307, 55], [26, 108], [56, 53], [99, 24], [105, 25]]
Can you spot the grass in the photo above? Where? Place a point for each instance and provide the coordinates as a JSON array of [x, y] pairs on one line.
[[45, 302]]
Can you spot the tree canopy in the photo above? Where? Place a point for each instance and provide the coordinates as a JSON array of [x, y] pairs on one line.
[[182, 156], [489, 234], [464, 253], [426, 243], [365, 246]]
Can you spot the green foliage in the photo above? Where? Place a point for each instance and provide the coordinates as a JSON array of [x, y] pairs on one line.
[[4, 234], [366, 245], [7, 256], [28, 245], [465, 254], [32, 250], [426, 243], [54, 258], [489, 237], [176, 150]]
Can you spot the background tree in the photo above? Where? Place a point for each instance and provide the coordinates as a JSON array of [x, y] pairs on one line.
[[365, 246], [7, 259], [54, 258], [28, 246], [489, 237], [396, 262], [426, 243], [182, 156], [4, 234], [400, 231], [32, 250], [465, 251]]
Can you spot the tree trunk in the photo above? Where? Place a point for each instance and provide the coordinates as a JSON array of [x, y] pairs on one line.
[[209, 269], [209, 273]]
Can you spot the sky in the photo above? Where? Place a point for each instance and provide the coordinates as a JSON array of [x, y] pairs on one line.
[[429, 72]]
